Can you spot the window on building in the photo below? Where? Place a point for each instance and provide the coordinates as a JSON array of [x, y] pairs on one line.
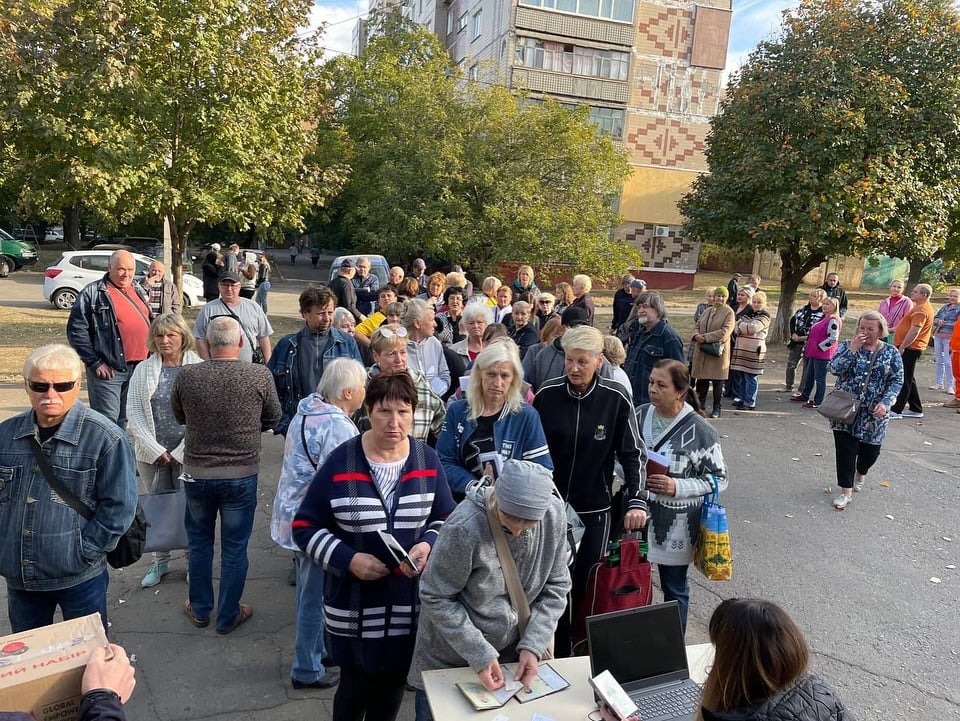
[[473, 72], [609, 9], [609, 121], [476, 24], [565, 58], [450, 19], [462, 22]]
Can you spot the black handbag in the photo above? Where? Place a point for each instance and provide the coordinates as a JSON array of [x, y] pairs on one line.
[[714, 348], [129, 548]]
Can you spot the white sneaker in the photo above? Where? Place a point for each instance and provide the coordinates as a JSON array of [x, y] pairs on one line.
[[935, 387], [907, 413], [894, 416], [858, 482], [841, 501], [950, 391]]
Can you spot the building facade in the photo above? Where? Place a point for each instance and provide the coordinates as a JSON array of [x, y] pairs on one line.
[[650, 71]]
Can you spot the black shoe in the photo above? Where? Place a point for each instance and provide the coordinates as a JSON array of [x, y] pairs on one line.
[[328, 680], [716, 412]]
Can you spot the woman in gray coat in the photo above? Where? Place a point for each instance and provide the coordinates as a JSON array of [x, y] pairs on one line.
[[466, 618]]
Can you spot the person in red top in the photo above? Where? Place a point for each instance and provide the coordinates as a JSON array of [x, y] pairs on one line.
[[108, 327], [911, 336], [955, 362]]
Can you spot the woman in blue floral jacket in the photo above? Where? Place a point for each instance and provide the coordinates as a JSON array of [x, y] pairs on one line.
[[858, 444]]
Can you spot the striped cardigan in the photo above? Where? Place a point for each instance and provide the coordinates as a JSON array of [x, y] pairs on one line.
[[371, 625]]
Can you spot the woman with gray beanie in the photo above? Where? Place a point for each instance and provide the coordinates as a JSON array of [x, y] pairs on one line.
[[466, 617]]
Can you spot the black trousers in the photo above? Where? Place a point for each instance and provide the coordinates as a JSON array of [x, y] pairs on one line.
[[853, 455], [596, 535], [363, 696], [909, 394]]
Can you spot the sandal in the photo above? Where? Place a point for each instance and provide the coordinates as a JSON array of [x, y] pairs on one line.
[[198, 622], [246, 613]]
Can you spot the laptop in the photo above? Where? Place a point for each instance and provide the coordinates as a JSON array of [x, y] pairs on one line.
[[644, 650]]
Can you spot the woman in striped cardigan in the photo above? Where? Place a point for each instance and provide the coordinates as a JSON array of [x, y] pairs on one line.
[[750, 353]]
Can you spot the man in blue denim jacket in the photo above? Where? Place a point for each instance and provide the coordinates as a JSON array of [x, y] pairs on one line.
[[49, 554]]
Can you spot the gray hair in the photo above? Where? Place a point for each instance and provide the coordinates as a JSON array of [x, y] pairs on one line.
[[501, 350], [338, 315], [875, 315], [53, 357], [584, 281], [655, 301], [583, 337], [521, 305], [413, 311], [224, 332], [924, 288], [476, 310], [339, 375]]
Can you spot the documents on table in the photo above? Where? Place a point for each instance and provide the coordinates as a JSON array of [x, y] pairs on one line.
[[547, 681]]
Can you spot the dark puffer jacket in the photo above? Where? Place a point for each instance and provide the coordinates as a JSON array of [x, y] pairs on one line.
[[809, 699]]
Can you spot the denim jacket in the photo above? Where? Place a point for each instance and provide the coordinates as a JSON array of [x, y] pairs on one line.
[[92, 329], [645, 349], [283, 366], [46, 545]]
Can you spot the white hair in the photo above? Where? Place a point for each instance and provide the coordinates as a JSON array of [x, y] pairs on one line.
[[339, 375], [223, 332], [53, 357], [583, 337]]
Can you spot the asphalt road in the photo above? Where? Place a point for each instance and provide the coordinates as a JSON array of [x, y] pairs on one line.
[[859, 582]]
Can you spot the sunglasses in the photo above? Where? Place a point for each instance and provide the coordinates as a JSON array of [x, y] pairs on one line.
[[42, 387], [400, 332]]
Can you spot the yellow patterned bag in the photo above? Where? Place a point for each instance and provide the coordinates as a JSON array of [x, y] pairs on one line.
[[712, 555]]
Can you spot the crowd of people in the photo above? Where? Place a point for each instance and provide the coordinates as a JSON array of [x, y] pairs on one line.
[[429, 430]]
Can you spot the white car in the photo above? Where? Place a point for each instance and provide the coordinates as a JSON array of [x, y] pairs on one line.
[[63, 281]]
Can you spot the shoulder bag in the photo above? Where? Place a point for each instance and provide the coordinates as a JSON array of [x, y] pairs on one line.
[[714, 348], [166, 513], [511, 576], [842, 406], [130, 547]]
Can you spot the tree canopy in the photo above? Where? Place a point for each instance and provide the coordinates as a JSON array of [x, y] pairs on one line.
[[840, 136], [188, 110], [466, 171]]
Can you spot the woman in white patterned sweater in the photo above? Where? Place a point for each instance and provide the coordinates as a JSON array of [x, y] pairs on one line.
[[672, 425]]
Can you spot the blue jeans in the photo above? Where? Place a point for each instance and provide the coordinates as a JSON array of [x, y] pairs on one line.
[[235, 499], [673, 583], [308, 648], [33, 609], [814, 371], [749, 385], [109, 395], [261, 295], [422, 706]]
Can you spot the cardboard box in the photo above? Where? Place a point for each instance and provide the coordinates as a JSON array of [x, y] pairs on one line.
[[41, 670]]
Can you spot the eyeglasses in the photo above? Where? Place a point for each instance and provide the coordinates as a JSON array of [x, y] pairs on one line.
[[544, 302], [42, 387], [400, 332]]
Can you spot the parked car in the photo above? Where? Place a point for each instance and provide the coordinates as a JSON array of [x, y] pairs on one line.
[[378, 266], [152, 247], [63, 281], [15, 254], [54, 234]]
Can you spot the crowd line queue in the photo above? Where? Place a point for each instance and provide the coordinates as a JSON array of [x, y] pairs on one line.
[[444, 418]]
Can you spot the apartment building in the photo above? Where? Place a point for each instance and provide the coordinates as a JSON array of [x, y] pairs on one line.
[[650, 71]]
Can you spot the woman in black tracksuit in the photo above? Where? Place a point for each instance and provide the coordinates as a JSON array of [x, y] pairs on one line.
[[589, 422]]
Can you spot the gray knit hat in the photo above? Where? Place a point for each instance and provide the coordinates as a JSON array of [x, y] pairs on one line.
[[524, 489]]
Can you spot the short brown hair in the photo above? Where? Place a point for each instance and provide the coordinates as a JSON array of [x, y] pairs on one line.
[[387, 387], [313, 296]]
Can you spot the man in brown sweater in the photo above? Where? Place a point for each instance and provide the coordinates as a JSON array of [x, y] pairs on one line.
[[225, 404]]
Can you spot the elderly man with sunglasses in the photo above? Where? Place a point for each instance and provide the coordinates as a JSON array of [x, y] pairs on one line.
[[50, 555]]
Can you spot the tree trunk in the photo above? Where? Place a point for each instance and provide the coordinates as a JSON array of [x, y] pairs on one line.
[[792, 269], [71, 226], [916, 266]]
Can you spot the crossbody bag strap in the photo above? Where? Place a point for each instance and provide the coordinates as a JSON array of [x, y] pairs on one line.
[[65, 493], [303, 439], [253, 345], [511, 576], [873, 360], [146, 319]]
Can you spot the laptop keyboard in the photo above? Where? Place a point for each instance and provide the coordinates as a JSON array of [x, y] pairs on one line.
[[670, 702]]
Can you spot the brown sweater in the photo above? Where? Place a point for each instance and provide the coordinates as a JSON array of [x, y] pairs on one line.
[[225, 405]]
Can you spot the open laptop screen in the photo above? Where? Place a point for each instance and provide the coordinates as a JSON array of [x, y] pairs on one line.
[[640, 645]]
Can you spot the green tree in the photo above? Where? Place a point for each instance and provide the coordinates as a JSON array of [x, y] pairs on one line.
[[840, 136], [188, 110], [463, 170]]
